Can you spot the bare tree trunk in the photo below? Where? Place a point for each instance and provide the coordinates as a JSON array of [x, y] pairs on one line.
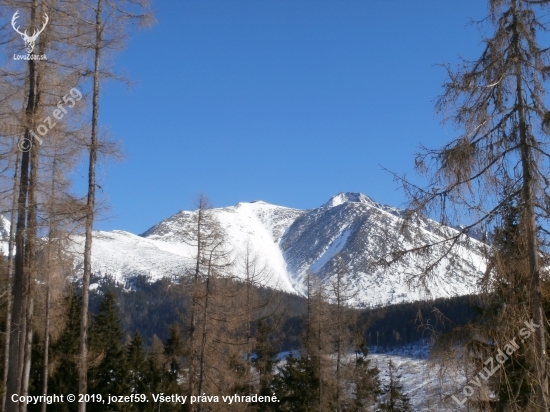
[[21, 278], [30, 259], [28, 353], [90, 210], [29, 268], [203, 340], [210, 258], [9, 303], [204, 330], [52, 237], [194, 304], [45, 368], [540, 358], [309, 328], [248, 309], [338, 337], [14, 376], [319, 354]]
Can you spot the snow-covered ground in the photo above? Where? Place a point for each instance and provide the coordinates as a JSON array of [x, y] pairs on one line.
[[428, 385]]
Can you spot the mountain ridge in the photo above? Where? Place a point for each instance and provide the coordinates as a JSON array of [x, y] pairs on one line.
[[350, 230]]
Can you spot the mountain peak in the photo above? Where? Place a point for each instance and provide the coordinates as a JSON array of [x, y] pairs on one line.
[[254, 202], [348, 197]]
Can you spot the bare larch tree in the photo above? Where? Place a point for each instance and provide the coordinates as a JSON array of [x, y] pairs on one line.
[[500, 157]]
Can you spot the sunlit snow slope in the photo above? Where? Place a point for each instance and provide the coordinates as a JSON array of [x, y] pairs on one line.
[[258, 223], [350, 227]]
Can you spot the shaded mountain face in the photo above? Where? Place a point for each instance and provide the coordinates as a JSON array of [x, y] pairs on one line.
[[353, 232], [349, 233]]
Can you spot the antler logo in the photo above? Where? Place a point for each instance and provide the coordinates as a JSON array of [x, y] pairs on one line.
[[29, 40]]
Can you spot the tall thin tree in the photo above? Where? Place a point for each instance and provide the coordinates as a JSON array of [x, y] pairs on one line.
[[109, 21], [500, 158]]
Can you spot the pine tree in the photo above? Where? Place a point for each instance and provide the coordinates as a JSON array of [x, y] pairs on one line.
[[136, 362], [110, 376], [394, 399], [366, 381], [265, 356], [175, 350], [296, 385], [64, 354]]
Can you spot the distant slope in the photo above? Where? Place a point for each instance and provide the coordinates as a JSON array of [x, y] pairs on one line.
[[162, 252], [294, 242], [122, 255], [259, 223]]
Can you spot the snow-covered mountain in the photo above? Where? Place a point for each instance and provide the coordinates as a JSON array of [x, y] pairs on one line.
[[361, 231], [293, 242], [162, 250]]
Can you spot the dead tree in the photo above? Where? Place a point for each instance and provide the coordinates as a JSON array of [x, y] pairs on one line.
[[500, 158]]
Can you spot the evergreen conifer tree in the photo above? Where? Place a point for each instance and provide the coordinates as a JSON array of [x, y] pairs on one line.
[[64, 353], [110, 376], [174, 350], [366, 381], [296, 385], [265, 359], [136, 362], [394, 399]]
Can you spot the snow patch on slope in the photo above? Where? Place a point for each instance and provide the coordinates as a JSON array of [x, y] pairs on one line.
[[336, 246]]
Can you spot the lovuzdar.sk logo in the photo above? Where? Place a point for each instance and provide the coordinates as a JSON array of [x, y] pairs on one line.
[[29, 40]]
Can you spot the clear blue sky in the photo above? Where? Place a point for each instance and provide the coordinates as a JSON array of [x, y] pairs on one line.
[[287, 101]]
